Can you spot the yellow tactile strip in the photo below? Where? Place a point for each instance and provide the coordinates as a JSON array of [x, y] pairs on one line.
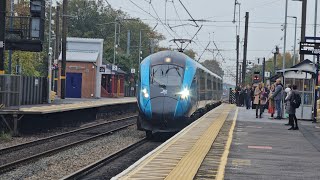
[[78, 105], [181, 157]]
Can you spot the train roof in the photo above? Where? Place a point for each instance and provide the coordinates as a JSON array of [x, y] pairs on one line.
[[180, 58]]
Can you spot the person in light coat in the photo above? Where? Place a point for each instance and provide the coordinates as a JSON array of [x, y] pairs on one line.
[[260, 99]]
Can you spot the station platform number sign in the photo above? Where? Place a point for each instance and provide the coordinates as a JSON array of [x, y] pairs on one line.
[[310, 48]]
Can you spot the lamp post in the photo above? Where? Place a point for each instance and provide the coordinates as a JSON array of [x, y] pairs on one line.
[[285, 36], [303, 23], [315, 23], [295, 39]]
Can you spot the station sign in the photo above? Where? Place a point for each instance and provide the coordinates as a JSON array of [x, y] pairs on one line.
[[310, 48], [114, 68], [267, 74], [102, 69], [133, 71]]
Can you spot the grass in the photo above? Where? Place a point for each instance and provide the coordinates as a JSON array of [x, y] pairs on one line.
[[5, 136]]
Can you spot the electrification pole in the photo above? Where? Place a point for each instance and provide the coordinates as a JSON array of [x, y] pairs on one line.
[[57, 48], [237, 73], [49, 53], [64, 48], [303, 25], [140, 38], [315, 23], [245, 49], [11, 26], [285, 36], [2, 33], [263, 69], [275, 60]]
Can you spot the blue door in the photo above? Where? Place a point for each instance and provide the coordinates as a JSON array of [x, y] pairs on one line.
[[74, 84]]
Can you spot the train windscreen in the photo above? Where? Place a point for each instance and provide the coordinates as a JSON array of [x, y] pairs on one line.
[[166, 75]]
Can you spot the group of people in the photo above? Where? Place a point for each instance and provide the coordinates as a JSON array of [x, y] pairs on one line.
[[270, 97]]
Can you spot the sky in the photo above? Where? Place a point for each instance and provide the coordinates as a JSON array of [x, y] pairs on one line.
[[266, 18]]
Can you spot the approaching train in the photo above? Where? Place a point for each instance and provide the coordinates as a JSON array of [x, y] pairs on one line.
[[173, 90]]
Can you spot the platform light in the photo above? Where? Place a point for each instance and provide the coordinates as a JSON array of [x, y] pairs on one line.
[[185, 93]]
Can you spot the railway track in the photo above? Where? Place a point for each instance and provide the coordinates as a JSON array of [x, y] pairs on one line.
[[15, 156], [113, 164]]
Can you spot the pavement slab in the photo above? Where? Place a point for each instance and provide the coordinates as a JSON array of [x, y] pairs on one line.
[[265, 149]]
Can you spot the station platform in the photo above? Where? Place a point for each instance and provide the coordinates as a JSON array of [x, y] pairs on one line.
[[60, 105], [182, 155], [266, 149], [249, 148], [31, 117]]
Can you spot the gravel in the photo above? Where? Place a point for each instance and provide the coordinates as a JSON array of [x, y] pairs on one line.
[[13, 141], [67, 162]]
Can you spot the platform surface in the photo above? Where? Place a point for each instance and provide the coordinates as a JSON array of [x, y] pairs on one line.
[[67, 105], [265, 149], [181, 156]]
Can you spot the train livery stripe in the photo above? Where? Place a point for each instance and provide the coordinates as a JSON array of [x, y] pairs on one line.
[[184, 104], [145, 103]]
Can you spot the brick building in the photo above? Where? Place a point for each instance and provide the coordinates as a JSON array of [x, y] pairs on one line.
[[84, 57]]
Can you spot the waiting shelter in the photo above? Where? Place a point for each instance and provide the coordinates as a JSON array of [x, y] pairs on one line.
[[113, 81], [302, 75]]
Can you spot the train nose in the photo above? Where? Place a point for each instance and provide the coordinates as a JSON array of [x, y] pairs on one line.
[[163, 108]]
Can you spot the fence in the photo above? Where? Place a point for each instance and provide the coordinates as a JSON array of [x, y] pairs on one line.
[[22, 90], [129, 91], [232, 97]]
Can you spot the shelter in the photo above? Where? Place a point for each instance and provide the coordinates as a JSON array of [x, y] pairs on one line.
[[302, 75], [112, 82], [84, 58]]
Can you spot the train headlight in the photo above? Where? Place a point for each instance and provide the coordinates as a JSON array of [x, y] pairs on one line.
[[145, 93], [185, 93]]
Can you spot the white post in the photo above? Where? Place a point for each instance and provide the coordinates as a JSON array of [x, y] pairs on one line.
[[285, 36], [315, 24]]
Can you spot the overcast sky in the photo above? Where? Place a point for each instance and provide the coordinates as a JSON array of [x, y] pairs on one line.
[[266, 18]]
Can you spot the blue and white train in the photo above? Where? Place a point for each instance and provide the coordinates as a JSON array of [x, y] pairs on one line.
[[173, 90]]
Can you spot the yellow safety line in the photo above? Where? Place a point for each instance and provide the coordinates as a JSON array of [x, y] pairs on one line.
[[224, 158], [173, 141], [188, 166]]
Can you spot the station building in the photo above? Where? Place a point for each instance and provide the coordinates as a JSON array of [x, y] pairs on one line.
[[84, 57], [86, 75]]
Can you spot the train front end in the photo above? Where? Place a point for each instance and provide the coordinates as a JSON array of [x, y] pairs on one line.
[[166, 93]]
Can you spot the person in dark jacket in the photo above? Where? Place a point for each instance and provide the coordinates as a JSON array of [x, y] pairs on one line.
[[247, 94], [293, 121], [237, 94], [277, 97]]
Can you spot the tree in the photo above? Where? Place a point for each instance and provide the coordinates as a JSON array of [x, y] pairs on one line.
[[213, 66], [190, 53], [94, 20]]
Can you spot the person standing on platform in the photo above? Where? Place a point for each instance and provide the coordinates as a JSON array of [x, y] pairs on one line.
[[271, 107], [247, 94], [237, 93], [277, 97], [291, 108], [259, 100]]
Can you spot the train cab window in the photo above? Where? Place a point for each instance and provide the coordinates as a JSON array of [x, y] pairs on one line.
[[166, 75]]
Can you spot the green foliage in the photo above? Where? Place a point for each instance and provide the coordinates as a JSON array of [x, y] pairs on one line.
[[32, 64], [94, 20], [213, 66], [270, 66], [190, 53], [5, 136]]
